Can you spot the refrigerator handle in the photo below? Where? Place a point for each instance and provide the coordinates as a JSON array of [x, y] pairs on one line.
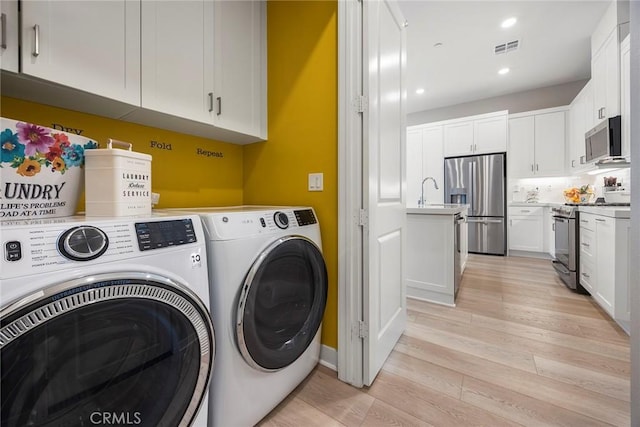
[[472, 187]]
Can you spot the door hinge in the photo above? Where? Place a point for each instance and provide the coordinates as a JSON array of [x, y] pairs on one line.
[[363, 218], [360, 103], [360, 329]]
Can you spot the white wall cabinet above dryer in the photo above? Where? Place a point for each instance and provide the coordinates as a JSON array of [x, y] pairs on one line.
[[212, 71], [9, 33], [93, 46], [486, 133], [537, 143]]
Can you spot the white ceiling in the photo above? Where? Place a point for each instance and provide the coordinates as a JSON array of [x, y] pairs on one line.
[[554, 37]]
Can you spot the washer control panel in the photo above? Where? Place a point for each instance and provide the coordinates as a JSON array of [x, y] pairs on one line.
[[161, 234], [305, 217]]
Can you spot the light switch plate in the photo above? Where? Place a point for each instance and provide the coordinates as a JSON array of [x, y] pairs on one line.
[[316, 181]]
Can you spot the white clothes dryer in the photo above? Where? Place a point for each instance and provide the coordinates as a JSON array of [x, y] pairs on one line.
[[105, 322], [268, 296]]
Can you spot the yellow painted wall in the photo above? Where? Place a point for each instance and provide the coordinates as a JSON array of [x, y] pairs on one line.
[[181, 176], [303, 133]]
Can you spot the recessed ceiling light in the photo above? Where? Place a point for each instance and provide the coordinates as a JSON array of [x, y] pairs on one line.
[[510, 22], [503, 70], [420, 91]]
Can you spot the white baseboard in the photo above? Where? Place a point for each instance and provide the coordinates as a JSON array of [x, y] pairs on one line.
[[329, 357]]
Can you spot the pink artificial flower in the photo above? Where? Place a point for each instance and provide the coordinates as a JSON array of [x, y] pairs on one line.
[[34, 138]]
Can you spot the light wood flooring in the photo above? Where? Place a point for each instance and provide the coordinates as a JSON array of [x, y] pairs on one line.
[[518, 349]]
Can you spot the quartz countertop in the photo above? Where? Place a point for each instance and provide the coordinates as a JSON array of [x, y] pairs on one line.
[[437, 209], [540, 204], [610, 211]]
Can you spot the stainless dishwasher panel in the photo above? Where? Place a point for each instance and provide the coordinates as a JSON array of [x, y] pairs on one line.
[[487, 235]]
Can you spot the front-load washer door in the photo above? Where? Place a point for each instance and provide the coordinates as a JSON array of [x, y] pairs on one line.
[[281, 304], [128, 350]]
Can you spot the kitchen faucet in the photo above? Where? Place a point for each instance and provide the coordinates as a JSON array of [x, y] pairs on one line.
[[435, 184]]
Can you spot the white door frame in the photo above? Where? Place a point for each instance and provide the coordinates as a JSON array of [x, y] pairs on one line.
[[350, 197]]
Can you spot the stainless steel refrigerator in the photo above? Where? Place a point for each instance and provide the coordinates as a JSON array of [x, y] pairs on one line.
[[480, 182]]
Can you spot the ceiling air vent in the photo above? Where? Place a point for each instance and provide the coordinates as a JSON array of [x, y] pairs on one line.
[[506, 47]]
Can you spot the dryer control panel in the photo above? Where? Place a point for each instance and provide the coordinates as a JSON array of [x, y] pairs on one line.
[[233, 225]]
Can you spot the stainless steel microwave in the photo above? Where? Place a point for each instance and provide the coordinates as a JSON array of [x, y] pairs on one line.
[[604, 140]]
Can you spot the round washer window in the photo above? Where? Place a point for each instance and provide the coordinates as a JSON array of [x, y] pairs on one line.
[[282, 303], [118, 352]]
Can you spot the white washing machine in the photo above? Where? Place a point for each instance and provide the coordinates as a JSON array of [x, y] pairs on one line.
[[268, 295], [105, 322]]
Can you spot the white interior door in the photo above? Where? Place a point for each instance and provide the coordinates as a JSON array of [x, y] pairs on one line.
[[384, 187]]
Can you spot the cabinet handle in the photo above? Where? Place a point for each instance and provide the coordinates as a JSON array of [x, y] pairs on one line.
[[210, 94], [3, 22], [553, 226], [586, 245], [584, 220], [219, 100], [601, 220], [471, 148], [531, 167], [475, 147], [585, 275], [573, 165], [525, 210], [536, 167], [36, 40]]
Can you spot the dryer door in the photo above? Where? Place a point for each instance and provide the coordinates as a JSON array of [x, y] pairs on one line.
[[135, 349], [281, 304]]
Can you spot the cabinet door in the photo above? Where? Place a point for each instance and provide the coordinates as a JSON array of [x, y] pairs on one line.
[[526, 233], [177, 66], [414, 166], [92, 45], [550, 135], [9, 33], [240, 61], [612, 83], [577, 129], [521, 147], [605, 263], [490, 135], [458, 139], [598, 80], [433, 163], [625, 95]]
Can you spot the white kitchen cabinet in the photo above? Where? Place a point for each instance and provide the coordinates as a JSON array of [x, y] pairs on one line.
[[9, 31], [625, 95], [424, 158], [604, 263], [482, 134], [605, 77], [581, 120], [537, 143], [93, 46], [458, 139], [526, 229]]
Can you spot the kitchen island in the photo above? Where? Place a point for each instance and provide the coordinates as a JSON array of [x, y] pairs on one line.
[[436, 251]]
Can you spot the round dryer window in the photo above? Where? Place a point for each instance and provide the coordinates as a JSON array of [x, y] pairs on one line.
[[133, 349], [282, 303]]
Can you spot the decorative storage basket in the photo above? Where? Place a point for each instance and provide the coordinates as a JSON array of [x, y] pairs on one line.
[[42, 170], [118, 182]]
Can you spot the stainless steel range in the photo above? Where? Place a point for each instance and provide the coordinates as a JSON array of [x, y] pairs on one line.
[[567, 237]]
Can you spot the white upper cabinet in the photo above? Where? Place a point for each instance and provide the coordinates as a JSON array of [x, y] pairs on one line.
[[537, 143], [625, 95], [93, 46], [240, 66], [481, 134], [605, 79], [9, 35], [177, 66], [458, 139], [581, 119], [425, 158]]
